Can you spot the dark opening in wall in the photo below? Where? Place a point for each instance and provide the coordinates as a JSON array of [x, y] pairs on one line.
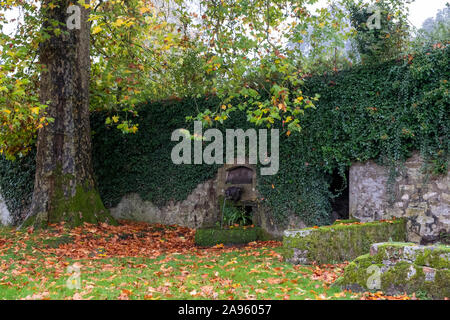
[[249, 212], [340, 204], [234, 213]]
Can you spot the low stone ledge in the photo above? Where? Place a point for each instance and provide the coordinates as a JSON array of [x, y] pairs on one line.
[[5, 215], [339, 242], [240, 235], [396, 268]]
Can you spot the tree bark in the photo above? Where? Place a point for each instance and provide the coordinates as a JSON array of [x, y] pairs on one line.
[[64, 187]]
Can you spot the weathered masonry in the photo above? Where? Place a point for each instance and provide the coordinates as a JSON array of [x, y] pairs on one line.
[[423, 200], [5, 215]]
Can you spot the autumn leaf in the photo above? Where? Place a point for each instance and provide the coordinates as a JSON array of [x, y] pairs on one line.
[[96, 29], [119, 22]]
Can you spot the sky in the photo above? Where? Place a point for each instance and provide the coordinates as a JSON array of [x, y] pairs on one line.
[[419, 10], [423, 9]]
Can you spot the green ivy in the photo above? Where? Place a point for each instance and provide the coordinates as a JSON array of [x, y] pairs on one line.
[[141, 163], [234, 215]]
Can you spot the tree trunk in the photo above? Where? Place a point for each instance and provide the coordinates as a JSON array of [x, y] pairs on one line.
[[64, 187]]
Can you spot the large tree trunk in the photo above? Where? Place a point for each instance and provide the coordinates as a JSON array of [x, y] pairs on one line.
[[64, 187]]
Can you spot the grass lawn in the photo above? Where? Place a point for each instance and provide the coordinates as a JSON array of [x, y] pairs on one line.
[[143, 261]]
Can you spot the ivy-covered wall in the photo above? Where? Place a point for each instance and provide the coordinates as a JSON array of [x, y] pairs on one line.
[[381, 112], [16, 184]]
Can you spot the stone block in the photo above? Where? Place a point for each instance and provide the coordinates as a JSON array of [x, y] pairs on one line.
[[410, 212], [404, 267], [445, 197], [197, 211], [442, 185], [407, 188], [429, 195], [5, 215]]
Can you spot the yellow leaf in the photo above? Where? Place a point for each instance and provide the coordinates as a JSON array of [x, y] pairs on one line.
[[115, 119], [35, 110], [96, 29], [6, 111], [144, 10], [118, 22], [339, 295]]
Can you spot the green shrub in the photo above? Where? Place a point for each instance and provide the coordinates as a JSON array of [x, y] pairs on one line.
[[237, 235]]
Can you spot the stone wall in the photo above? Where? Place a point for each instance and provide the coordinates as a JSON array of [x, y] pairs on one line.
[[249, 193], [197, 211], [262, 217], [343, 241], [200, 210], [396, 268], [424, 201]]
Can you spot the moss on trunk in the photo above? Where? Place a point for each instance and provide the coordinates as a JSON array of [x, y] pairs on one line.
[[85, 205]]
